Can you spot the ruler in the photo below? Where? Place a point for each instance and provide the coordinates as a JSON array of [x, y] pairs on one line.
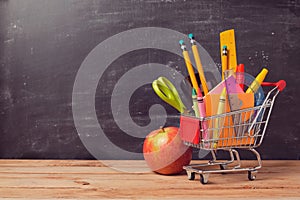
[[227, 38]]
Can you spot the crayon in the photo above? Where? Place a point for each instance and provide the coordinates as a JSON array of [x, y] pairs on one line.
[[202, 114], [189, 65], [257, 82], [219, 120], [195, 102], [198, 63], [201, 104]]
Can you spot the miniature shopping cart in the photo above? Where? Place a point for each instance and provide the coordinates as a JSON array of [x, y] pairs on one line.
[[240, 129]]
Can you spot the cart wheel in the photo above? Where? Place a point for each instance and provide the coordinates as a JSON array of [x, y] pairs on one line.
[[204, 178], [223, 167], [191, 175], [252, 175]]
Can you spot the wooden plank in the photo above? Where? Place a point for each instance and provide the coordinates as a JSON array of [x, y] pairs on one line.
[[24, 162], [67, 179]]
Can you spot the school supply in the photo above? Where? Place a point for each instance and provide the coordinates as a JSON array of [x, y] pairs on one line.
[[227, 39], [224, 60], [228, 119], [198, 63], [240, 69], [189, 65], [219, 121], [232, 86], [257, 82], [195, 102], [168, 93], [202, 114]]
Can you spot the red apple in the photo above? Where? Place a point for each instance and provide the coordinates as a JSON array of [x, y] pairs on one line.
[[165, 152]]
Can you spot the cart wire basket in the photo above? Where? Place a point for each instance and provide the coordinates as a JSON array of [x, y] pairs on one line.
[[240, 129]]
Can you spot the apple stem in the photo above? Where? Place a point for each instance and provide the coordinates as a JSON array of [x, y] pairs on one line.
[[162, 128]]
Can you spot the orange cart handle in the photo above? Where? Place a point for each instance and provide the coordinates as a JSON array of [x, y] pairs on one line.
[[280, 84]]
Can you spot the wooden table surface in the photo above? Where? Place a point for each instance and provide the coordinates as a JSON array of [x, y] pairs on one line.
[[93, 179]]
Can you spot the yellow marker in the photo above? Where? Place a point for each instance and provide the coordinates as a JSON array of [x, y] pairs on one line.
[[198, 64], [219, 120], [227, 38], [189, 65], [257, 82], [224, 60]]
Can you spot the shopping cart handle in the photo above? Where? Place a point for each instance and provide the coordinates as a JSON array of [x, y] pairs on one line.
[[280, 84]]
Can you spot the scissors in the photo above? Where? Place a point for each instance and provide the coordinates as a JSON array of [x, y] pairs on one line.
[[168, 93]]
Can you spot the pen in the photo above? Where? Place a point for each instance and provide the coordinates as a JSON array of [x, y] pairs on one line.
[[189, 65], [198, 63], [224, 60]]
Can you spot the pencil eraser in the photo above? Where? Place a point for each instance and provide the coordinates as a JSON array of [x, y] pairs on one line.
[[191, 35], [181, 42]]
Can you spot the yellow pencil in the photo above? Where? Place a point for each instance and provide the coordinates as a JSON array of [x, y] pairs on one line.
[[189, 65], [224, 60], [198, 64]]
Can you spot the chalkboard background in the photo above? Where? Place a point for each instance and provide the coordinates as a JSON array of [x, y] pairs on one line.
[[44, 42]]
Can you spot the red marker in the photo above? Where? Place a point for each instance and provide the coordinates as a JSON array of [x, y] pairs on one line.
[[240, 75]]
